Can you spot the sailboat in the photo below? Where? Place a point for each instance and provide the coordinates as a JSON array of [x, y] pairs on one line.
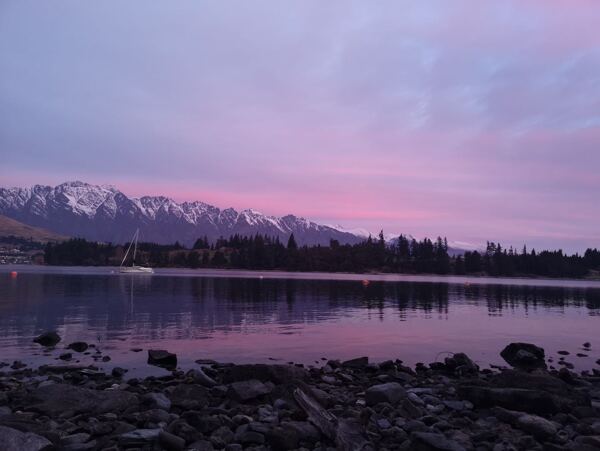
[[134, 269]]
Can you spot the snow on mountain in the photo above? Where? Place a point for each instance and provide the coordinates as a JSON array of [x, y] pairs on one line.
[[103, 213]]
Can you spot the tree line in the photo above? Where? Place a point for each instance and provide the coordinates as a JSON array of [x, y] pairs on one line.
[[403, 255]]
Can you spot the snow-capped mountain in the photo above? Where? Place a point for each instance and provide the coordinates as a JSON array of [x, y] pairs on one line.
[[103, 213]]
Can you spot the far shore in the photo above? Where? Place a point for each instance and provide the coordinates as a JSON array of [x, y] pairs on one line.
[[298, 275]]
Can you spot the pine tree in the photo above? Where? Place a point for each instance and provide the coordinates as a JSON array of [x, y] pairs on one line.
[[291, 244]]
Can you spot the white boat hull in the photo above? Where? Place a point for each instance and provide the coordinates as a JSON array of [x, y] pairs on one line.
[[136, 270]]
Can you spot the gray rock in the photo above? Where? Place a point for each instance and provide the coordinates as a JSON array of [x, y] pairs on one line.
[[526, 400], [359, 362], [47, 339], [170, 442], [160, 357], [247, 390], [282, 439], [53, 400], [537, 426], [428, 441], [74, 439], [524, 356], [188, 396], [391, 392], [156, 400], [78, 346], [201, 445], [306, 431], [15, 440], [221, 437], [460, 364], [139, 437], [200, 377], [277, 374]]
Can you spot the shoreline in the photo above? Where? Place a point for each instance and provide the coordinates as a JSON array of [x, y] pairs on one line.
[[299, 275], [349, 405]]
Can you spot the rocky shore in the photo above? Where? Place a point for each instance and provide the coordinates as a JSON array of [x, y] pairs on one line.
[[450, 405]]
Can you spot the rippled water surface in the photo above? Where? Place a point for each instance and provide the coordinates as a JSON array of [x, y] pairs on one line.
[[261, 317]]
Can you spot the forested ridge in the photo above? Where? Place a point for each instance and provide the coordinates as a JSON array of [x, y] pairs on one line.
[[404, 255]]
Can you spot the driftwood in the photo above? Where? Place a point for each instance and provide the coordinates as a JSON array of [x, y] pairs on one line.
[[346, 434]]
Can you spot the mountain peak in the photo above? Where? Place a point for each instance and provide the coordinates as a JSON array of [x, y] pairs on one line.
[[103, 213]]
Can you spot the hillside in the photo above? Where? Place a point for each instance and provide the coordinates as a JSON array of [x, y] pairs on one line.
[[10, 227]]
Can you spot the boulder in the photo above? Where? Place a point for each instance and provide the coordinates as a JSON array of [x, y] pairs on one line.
[[15, 440], [460, 364], [47, 339], [525, 356], [160, 357], [78, 346], [391, 392], [359, 362], [247, 390], [56, 399]]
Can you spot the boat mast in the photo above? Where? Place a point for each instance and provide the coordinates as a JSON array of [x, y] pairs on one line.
[[137, 232]]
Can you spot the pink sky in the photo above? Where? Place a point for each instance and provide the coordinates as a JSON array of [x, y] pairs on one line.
[[472, 119]]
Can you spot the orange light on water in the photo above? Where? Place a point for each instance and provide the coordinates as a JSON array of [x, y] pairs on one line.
[[13, 274], [365, 283]]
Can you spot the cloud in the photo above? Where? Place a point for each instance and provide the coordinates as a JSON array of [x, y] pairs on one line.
[[474, 119]]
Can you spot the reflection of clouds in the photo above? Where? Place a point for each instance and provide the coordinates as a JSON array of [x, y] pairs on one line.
[[111, 308]]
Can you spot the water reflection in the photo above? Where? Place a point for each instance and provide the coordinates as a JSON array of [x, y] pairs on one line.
[[262, 316]]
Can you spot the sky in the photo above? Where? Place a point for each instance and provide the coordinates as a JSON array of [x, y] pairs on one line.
[[478, 120]]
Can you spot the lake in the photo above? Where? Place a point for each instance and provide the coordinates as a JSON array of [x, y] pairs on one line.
[[245, 316]]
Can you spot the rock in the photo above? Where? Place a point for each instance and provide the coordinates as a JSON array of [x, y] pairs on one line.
[[282, 439], [74, 439], [160, 357], [563, 352], [278, 374], [47, 339], [15, 440], [391, 392], [188, 396], [118, 372], [56, 399], [139, 437], [221, 437], [524, 356], [533, 401], [306, 431], [66, 356], [17, 365], [428, 441], [537, 426], [359, 362], [201, 378], [78, 346], [170, 442], [156, 400], [247, 390], [460, 364], [592, 441], [587, 345], [201, 445]]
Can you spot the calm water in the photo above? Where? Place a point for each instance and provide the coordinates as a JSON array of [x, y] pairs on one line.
[[262, 317]]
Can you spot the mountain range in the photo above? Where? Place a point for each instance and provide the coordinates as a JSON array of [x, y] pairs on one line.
[[103, 213]]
